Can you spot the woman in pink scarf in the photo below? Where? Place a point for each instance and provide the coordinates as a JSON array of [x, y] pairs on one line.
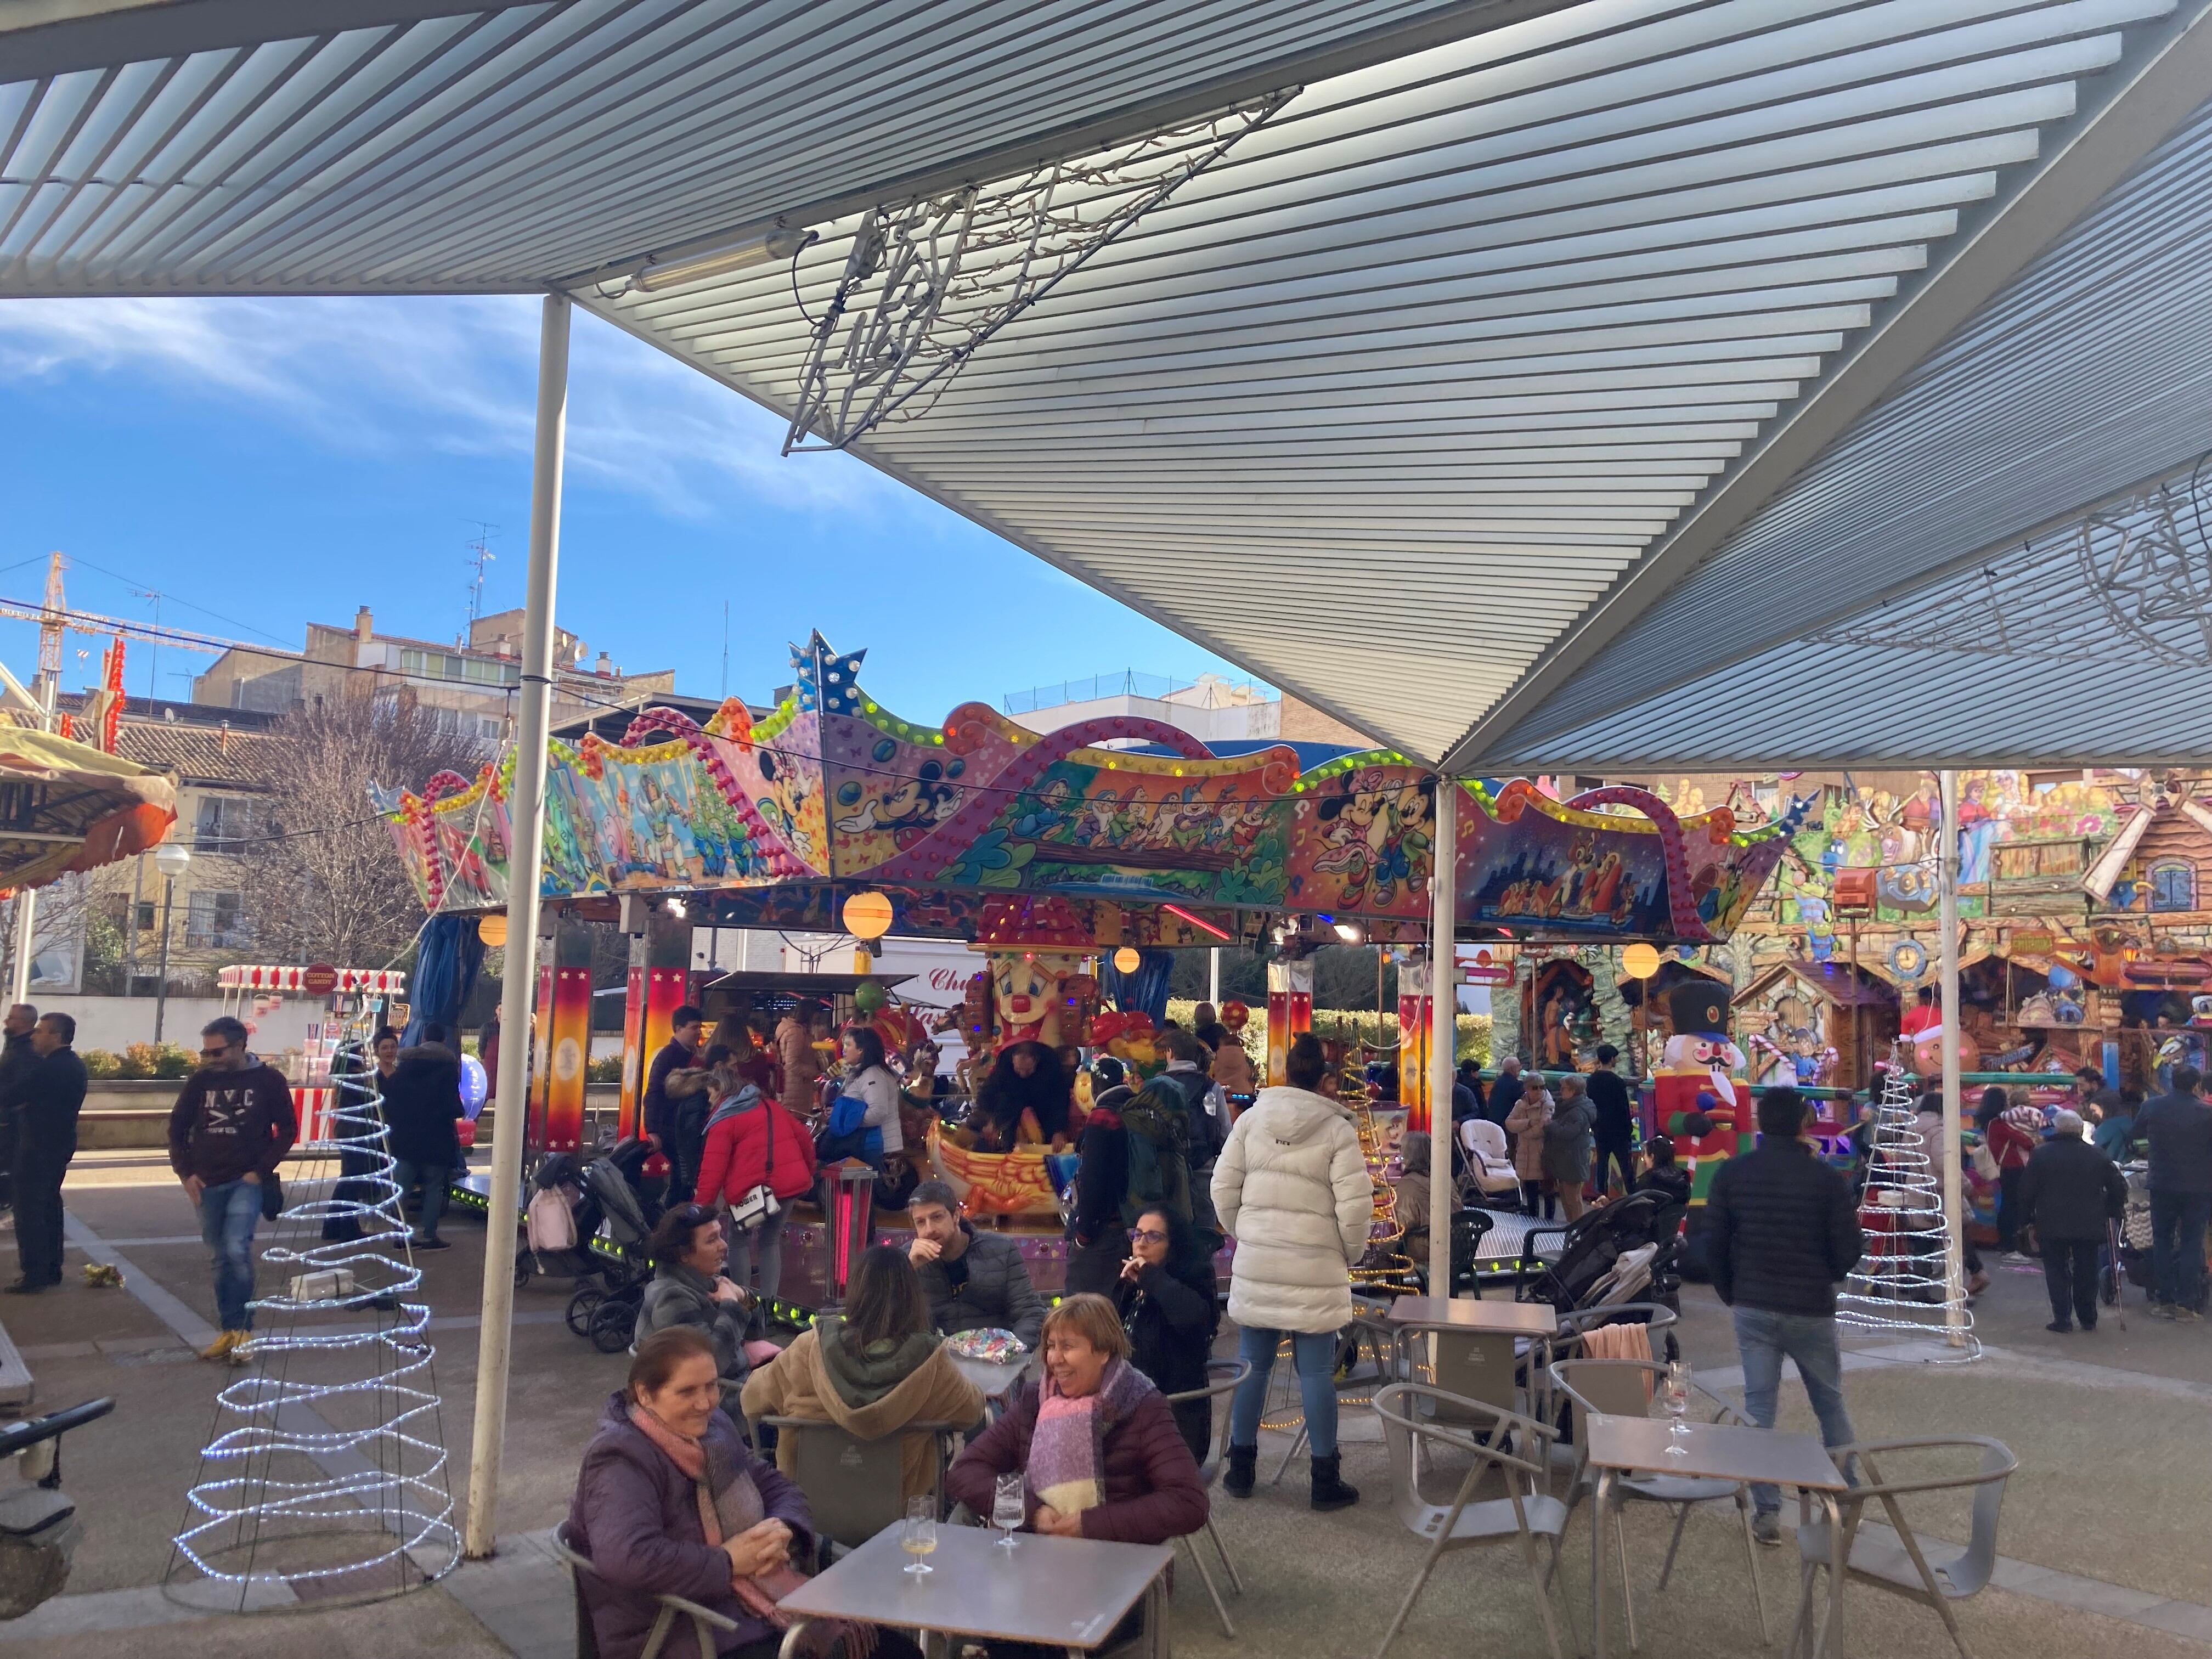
[[671, 1501]]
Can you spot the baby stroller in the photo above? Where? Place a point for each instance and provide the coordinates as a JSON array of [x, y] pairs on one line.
[[605, 1308], [2133, 1255], [1616, 1252]]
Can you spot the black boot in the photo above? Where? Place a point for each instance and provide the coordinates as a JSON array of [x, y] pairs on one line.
[[1244, 1471], [1330, 1493]]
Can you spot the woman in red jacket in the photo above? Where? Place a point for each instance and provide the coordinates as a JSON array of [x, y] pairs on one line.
[[752, 1142], [1097, 1446]]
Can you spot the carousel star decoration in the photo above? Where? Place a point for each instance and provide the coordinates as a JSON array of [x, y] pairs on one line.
[[828, 680]]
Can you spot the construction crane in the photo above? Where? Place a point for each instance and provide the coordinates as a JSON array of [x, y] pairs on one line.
[[54, 618]]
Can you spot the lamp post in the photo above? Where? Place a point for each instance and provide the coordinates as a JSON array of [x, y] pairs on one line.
[[171, 858]]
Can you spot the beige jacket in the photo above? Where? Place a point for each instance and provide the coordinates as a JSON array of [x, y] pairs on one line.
[[802, 1066], [798, 1384], [1525, 1123]]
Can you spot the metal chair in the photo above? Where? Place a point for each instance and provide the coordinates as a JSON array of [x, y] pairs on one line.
[[1576, 1326], [1225, 1375], [1905, 1568], [855, 1488], [1408, 1411], [1623, 1388], [705, 1621]]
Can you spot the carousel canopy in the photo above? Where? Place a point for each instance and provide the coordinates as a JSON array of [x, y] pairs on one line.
[[1698, 383], [65, 806]]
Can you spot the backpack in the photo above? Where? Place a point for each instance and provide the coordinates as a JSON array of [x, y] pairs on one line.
[[550, 1224], [1159, 1128]]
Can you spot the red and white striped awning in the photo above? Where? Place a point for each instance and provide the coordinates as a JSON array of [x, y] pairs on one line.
[[377, 981]]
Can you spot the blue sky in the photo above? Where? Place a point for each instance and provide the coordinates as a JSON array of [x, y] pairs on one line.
[[277, 462]]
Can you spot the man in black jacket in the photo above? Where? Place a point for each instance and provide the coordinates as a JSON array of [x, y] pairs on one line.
[[16, 1060], [421, 1109], [1614, 1131], [2072, 1193], [687, 1029], [1782, 1231], [2178, 1129], [1506, 1093], [48, 1101]]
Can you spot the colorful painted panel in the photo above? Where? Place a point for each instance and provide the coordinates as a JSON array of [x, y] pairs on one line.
[[983, 830]]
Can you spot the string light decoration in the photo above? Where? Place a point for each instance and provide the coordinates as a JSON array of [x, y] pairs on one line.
[[1903, 1283], [327, 1474]]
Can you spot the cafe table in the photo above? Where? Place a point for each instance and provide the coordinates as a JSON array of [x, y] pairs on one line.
[[1474, 1344], [1058, 1592], [1722, 1451]]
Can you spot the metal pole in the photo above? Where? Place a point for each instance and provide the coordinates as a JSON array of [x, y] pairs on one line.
[[27, 901], [1443, 1028], [1213, 980], [527, 815], [162, 983], [1954, 1300]]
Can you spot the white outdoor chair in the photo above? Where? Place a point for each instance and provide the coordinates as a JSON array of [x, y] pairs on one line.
[[1225, 1374], [1624, 1388], [1525, 1514], [1490, 1170], [1905, 1568]]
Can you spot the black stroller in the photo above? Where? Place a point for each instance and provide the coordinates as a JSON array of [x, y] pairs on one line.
[[605, 1308], [1602, 1257]]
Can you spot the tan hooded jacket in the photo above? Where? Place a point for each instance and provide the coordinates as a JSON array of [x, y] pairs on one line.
[[868, 1396]]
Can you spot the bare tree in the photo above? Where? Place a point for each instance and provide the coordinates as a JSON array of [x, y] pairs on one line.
[[325, 879]]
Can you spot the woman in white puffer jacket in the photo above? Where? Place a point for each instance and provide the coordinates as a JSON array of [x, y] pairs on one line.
[[1292, 1189]]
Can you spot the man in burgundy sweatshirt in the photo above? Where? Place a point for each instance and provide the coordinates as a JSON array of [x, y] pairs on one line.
[[230, 1127]]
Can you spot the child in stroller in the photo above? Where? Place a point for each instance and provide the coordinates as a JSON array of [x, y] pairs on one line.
[[615, 1266]]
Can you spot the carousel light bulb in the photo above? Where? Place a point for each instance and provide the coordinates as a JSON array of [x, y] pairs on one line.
[[1347, 932], [1127, 961]]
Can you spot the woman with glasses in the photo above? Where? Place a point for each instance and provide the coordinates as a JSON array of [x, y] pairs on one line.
[[689, 1288], [1165, 1295]]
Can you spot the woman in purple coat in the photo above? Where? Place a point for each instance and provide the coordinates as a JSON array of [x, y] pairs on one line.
[[670, 1502]]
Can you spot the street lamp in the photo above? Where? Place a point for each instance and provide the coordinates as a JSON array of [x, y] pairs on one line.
[[171, 858]]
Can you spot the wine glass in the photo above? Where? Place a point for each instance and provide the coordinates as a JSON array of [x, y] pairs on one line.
[[1675, 1395], [1006, 1508], [918, 1538]]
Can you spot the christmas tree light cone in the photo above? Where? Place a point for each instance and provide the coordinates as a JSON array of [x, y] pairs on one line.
[[1902, 1283], [325, 1476]]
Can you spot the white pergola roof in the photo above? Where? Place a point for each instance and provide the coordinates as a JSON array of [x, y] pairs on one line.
[[1524, 389]]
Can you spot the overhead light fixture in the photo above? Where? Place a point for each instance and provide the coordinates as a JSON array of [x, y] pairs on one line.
[[1347, 932], [674, 906], [764, 248]]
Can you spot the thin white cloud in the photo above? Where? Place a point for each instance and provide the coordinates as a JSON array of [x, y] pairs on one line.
[[455, 375]]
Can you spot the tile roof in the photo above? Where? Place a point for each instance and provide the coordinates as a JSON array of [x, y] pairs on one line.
[[197, 754]]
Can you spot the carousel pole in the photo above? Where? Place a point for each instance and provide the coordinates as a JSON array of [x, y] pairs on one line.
[[1443, 1004], [1213, 980], [526, 813], [1954, 1300], [26, 899]]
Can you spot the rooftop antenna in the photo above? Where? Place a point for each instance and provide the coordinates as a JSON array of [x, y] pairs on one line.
[[480, 555]]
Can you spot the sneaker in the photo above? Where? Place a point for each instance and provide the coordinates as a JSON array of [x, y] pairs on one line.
[[2163, 1310], [2188, 1316], [2014, 1259], [428, 1244], [2058, 1329], [220, 1347], [1766, 1527]]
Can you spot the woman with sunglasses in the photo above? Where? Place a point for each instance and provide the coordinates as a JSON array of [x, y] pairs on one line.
[[1166, 1298]]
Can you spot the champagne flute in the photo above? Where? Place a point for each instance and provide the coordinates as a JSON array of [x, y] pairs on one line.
[[918, 1538], [1007, 1509], [1674, 1394]]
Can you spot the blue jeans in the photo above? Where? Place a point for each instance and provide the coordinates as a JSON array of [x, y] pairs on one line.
[[1763, 1339], [2177, 1247], [228, 1213], [433, 1177], [1314, 1354]]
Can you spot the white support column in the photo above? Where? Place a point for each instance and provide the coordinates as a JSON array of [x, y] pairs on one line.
[[1213, 980], [1954, 1219], [26, 899], [526, 813], [1443, 1030]]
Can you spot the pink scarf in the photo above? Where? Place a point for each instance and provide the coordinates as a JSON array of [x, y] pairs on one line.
[[729, 1513]]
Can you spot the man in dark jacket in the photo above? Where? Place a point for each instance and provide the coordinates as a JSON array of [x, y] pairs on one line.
[[232, 1125], [2072, 1193], [686, 1028], [1202, 1106], [1782, 1231], [1098, 1232], [16, 1060], [421, 1109], [48, 1100], [1614, 1131], [1506, 1093], [975, 1281], [2177, 1129]]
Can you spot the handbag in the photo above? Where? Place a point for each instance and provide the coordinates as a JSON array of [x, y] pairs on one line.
[[272, 1196], [1985, 1161]]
